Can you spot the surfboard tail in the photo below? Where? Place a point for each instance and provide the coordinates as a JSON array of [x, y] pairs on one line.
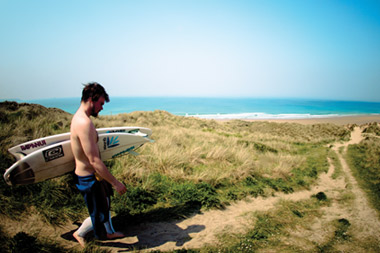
[[21, 174]]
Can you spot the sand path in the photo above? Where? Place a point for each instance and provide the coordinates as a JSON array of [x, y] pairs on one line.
[[364, 218], [202, 228]]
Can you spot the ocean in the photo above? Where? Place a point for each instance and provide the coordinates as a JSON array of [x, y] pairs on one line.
[[224, 108]]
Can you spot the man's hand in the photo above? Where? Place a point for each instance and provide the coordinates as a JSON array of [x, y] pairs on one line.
[[120, 188]]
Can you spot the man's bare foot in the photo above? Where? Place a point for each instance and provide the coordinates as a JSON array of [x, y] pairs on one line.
[[115, 235], [80, 239]]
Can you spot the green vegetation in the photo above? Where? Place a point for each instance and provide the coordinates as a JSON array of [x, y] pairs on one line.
[[337, 165], [193, 165], [364, 159], [25, 243], [54, 200], [373, 128], [18, 242], [269, 227]]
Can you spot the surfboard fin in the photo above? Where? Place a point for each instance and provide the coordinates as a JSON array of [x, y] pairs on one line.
[[19, 155], [133, 153], [150, 140]]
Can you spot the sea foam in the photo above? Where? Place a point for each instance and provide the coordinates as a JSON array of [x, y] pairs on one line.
[[260, 115]]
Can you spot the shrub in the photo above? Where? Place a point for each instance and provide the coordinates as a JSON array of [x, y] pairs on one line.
[[136, 200], [202, 194], [372, 128]]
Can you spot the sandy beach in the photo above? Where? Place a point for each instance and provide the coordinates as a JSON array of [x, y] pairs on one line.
[[342, 120]]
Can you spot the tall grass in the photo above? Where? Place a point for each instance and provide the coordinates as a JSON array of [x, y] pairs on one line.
[[20, 123], [372, 128], [223, 155], [193, 163], [234, 158]]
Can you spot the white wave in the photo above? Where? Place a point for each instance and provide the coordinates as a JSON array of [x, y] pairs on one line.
[[260, 115]]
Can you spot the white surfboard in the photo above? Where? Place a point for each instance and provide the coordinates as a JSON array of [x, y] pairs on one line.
[[26, 148], [57, 159]]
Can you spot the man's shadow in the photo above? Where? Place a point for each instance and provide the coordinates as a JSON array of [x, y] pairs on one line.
[[169, 232], [154, 235], [149, 232]]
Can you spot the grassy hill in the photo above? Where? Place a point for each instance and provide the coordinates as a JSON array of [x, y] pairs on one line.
[[193, 165]]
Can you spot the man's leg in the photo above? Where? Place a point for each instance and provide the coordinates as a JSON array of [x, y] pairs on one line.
[[111, 233], [83, 230], [87, 227]]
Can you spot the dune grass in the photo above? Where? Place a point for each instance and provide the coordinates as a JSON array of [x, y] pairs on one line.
[[20, 123], [227, 160], [194, 164], [364, 160]]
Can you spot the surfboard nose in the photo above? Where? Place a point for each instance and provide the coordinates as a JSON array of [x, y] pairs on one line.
[[21, 174]]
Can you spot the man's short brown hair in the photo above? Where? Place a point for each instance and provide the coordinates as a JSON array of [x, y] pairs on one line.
[[94, 91]]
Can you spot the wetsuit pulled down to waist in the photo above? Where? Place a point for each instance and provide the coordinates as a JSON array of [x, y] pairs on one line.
[[95, 194]]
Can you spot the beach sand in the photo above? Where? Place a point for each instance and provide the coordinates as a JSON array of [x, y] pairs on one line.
[[342, 120]]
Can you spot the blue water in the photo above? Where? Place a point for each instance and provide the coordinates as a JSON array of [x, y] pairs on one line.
[[225, 108]]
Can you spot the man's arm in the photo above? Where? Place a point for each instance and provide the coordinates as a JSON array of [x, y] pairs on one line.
[[88, 137]]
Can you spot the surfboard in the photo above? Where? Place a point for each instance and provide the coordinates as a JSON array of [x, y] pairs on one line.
[[57, 159], [26, 148]]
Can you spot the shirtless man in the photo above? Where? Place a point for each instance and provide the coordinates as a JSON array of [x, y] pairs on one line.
[[93, 175]]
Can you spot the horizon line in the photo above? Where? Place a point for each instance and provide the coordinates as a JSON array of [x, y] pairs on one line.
[[19, 100]]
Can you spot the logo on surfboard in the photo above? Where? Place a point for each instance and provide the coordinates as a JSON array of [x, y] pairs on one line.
[[53, 153], [111, 142], [33, 145]]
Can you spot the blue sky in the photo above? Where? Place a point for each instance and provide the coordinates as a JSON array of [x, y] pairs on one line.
[[321, 49]]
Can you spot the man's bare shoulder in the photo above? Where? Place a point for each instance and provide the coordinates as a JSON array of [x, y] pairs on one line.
[[81, 123]]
